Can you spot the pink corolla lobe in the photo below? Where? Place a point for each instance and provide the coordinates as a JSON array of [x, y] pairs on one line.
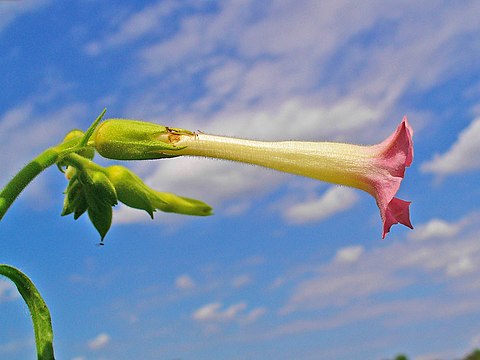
[[391, 158]]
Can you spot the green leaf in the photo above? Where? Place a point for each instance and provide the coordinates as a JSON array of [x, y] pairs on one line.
[[42, 323]]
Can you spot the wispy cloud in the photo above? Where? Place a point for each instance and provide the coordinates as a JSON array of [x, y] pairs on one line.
[[145, 22], [15, 346], [335, 200], [462, 155], [349, 254], [99, 342], [25, 138], [12, 10], [184, 282], [355, 274], [438, 228], [241, 281], [216, 312]]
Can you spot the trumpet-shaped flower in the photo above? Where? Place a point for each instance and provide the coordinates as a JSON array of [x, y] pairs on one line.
[[376, 169]]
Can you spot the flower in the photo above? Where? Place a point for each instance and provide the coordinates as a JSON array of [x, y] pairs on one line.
[[377, 169], [390, 158]]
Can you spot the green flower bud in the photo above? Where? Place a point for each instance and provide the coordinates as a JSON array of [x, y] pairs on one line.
[[169, 202], [75, 201], [89, 152], [133, 192], [72, 194], [91, 191], [123, 139], [98, 188]]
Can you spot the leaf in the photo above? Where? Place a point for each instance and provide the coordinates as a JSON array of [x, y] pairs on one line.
[[42, 323]]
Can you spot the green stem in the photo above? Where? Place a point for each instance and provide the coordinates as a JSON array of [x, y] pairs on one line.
[[47, 158], [42, 323], [81, 163], [11, 191]]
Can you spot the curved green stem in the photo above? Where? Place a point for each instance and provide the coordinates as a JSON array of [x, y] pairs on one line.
[[42, 323], [47, 158], [11, 191], [20, 181], [81, 163]]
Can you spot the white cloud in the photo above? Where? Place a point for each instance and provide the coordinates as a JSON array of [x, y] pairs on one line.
[[147, 21], [395, 312], [296, 119], [462, 155], [254, 314], [99, 342], [241, 281], [349, 254], [8, 291], [449, 260], [340, 288], [286, 49], [463, 265], [15, 346], [184, 282], [12, 10], [25, 138], [335, 200], [214, 312], [436, 228]]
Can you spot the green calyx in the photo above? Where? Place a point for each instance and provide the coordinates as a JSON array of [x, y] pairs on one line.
[[95, 190], [123, 139], [90, 190]]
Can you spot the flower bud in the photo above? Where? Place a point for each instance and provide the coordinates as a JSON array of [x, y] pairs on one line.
[[130, 189], [98, 188], [123, 139], [133, 192], [75, 201], [169, 202]]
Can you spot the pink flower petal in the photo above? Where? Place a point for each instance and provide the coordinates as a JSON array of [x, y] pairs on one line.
[[394, 154], [397, 212]]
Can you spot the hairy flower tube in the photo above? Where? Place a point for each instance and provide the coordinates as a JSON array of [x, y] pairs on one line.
[[377, 169]]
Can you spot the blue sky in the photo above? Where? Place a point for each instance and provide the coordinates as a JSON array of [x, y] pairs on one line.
[[256, 280]]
